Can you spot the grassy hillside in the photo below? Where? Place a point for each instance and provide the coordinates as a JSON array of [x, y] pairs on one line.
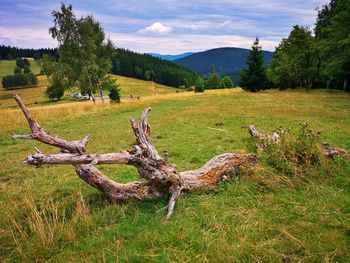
[[7, 67], [227, 61], [36, 96], [262, 216]]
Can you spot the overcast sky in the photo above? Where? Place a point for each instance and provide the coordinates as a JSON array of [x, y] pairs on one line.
[[168, 26]]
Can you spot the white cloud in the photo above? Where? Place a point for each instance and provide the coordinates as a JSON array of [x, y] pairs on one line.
[[176, 44], [157, 28]]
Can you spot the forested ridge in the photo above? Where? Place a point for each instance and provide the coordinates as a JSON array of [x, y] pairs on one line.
[[124, 62], [142, 66]]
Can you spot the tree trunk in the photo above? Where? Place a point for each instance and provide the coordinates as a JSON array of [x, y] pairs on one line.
[[328, 151], [160, 177]]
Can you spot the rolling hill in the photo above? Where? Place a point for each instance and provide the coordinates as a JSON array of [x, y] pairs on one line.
[[171, 57], [228, 61]]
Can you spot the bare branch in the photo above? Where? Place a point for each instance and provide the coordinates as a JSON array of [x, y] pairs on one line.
[[161, 176], [73, 158], [40, 135]]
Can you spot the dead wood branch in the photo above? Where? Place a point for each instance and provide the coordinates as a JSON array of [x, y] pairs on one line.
[[159, 176], [328, 150]]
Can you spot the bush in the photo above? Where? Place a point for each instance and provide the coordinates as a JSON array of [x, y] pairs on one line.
[[18, 80], [17, 70], [55, 91], [199, 85], [114, 94], [26, 69], [21, 62], [297, 154], [226, 83]]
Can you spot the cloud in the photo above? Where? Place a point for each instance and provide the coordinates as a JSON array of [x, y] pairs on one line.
[[156, 28], [176, 44]]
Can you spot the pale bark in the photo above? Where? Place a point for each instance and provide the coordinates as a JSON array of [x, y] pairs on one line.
[[159, 176], [328, 150]]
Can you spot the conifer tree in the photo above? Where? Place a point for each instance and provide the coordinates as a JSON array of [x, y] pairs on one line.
[[254, 77]]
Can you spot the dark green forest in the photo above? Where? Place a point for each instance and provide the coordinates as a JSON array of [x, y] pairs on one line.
[[319, 60], [124, 62], [147, 67], [8, 52]]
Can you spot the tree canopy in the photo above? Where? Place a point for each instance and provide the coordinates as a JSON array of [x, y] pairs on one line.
[[84, 51], [254, 78]]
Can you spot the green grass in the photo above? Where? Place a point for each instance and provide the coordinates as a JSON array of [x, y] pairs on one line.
[[49, 214], [7, 67]]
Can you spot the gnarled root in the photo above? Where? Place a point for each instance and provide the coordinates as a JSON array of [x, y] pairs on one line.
[[159, 176]]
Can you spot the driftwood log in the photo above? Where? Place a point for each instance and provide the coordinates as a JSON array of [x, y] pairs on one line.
[[328, 150], [159, 176]]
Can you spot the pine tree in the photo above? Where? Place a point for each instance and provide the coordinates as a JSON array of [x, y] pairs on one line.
[[254, 78]]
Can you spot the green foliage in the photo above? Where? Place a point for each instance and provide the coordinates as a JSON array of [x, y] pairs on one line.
[[297, 154], [19, 80], [142, 66], [8, 52], [254, 78], [27, 69], [21, 62], [55, 90], [48, 65], [226, 83], [114, 94], [84, 50], [323, 60], [333, 39], [17, 70], [199, 85], [294, 63], [213, 81]]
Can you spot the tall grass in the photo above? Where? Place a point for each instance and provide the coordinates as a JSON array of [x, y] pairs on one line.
[[293, 207]]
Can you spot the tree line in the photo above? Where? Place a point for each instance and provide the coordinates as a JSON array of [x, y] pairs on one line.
[[306, 60], [8, 52], [147, 67]]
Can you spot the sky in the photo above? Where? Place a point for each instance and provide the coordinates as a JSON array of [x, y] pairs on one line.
[[166, 27]]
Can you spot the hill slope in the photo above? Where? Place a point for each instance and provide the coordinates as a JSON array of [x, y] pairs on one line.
[[227, 61], [171, 57], [36, 95]]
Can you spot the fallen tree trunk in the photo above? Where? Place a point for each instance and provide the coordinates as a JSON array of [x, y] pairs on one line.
[[328, 150], [160, 177]]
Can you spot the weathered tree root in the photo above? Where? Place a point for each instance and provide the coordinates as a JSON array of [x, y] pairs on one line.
[[160, 177], [328, 150]]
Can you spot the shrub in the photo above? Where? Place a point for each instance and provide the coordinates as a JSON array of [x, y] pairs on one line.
[[26, 69], [55, 90], [18, 80], [21, 62], [199, 85], [297, 154], [114, 94], [226, 83], [17, 70]]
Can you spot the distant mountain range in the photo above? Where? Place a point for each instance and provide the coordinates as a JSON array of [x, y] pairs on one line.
[[171, 57], [227, 60]]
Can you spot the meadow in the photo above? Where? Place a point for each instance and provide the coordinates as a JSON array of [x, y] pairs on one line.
[[264, 215]]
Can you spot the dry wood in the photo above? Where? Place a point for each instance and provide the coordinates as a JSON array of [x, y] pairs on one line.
[[159, 176], [328, 150]]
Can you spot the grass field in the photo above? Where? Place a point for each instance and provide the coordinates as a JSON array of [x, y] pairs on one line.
[[7, 67], [36, 95], [48, 214]]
